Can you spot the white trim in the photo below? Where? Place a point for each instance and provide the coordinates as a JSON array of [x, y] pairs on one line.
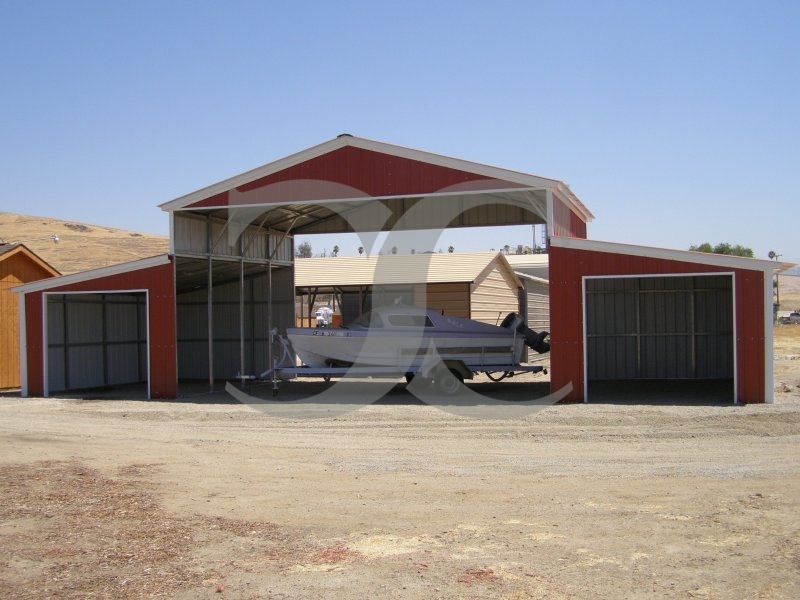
[[23, 345], [533, 278], [54, 282], [383, 148], [703, 258], [550, 215], [735, 334], [45, 372], [172, 233], [326, 201], [585, 278], [585, 342], [253, 175], [147, 340], [769, 333]]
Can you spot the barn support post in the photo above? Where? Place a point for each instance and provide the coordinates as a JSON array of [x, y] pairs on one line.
[[269, 316], [210, 306], [65, 337], [241, 318]]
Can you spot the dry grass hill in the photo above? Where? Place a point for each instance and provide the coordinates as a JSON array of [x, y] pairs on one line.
[[81, 246], [790, 292]]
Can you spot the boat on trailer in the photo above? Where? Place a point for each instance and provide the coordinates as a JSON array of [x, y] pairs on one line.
[[410, 341]]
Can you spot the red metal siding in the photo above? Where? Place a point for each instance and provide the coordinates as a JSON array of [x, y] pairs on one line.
[[568, 266], [372, 173], [577, 226], [565, 222], [160, 283], [33, 337]]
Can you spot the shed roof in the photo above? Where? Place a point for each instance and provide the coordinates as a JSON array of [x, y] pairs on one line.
[[55, 282], [393, 269], [9, 250]]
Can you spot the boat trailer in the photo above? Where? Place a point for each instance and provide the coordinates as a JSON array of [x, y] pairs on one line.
[[447, 375]]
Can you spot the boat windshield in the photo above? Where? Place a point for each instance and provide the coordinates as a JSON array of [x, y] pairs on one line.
[[370, 319], [410, 321]]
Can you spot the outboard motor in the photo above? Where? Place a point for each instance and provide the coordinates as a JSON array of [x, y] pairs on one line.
[[533, 339]]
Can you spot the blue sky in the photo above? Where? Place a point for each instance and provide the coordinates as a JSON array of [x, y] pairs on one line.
[[674, 122]]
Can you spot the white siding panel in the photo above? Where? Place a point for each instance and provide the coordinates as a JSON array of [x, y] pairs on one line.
[[493, 298]]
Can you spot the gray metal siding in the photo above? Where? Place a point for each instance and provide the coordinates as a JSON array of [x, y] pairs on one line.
[[660, 327], [192, 325], [538, 300], [194, 235], [95, 340]]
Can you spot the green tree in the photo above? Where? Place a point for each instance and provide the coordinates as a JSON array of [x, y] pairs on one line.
[[304, 250], [394, 249], [451, 249], [360, 250], [336, 250], [723, 248]]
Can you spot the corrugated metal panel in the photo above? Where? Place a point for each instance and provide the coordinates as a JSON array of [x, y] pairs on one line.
[[568, 266], [192, 312], [190, 234], [372, 173], [281, 247], [538, 300], [493, 297], [659, 327], [391, 269], [95, 340], [565, 222]]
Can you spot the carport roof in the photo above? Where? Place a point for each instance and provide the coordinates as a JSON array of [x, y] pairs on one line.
[[309, 187], [352, 271]]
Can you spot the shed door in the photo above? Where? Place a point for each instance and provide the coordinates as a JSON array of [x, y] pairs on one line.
[[659, 327], [96, 340]]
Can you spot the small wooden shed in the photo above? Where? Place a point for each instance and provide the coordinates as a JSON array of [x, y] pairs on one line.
[[476, 285], [18, 265]]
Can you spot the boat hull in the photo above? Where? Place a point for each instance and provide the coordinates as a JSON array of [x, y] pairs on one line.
[[403, 350]]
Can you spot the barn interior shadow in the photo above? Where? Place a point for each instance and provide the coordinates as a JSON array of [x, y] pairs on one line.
[[696, 392]]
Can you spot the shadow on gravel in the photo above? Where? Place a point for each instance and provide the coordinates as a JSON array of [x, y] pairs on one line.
[[713, 392]]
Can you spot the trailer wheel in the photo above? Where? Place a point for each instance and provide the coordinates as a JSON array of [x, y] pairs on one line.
[[449, 382]]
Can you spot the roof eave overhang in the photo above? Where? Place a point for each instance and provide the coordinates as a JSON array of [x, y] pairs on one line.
[[74, 278], [719, 260]]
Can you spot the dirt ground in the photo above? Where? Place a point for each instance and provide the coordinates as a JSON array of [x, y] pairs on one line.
[[208, 498]]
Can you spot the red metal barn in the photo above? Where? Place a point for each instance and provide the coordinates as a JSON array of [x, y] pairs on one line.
[[617, 313], [631, 313]]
